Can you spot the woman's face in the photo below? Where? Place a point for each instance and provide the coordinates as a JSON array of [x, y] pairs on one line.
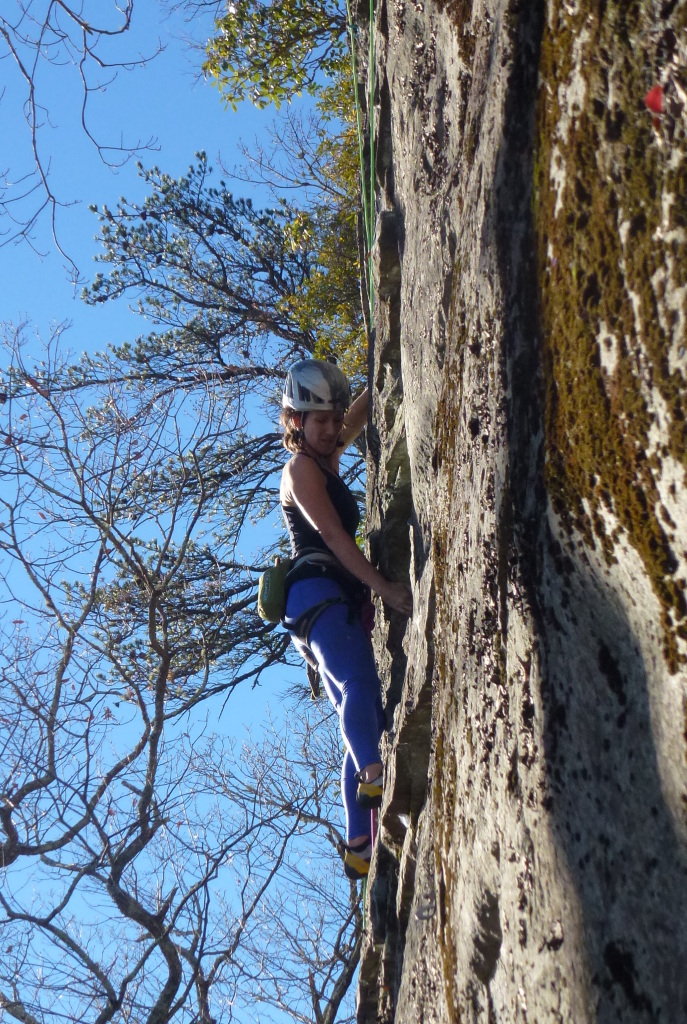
[[322, 430]]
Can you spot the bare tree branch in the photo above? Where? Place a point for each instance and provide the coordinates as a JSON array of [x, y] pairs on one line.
[[170, 870], [36, 39]]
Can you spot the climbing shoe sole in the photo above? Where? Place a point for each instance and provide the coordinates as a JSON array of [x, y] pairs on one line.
[[369, 794], [354, 866]]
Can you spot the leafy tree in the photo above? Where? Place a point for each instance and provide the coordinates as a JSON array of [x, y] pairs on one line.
[[202, 261], [240, 292], [332, 296], [268, 53]]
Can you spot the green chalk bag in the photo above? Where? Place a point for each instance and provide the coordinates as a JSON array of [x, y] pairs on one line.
[[272, 590]]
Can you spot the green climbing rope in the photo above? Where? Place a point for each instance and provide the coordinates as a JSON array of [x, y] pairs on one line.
[[363, 896], [367, 195], [371, 129], [367, 198]]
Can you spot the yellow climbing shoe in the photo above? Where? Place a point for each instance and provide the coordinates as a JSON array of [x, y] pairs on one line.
[[369, 794], [355, 866]]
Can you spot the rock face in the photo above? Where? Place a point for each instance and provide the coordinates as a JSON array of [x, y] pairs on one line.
[[528, 470]]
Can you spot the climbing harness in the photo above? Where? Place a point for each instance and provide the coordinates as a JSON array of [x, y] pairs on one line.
[[367, 197], [303, 624], [310, 564]]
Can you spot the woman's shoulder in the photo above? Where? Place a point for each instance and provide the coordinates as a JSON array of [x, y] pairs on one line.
[[298, 463], [301, 470], [302, 462]]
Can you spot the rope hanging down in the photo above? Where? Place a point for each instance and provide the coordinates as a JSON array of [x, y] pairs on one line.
[[367, 195]]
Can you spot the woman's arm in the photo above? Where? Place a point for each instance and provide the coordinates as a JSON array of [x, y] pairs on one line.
[[306, 487], [355, 420]]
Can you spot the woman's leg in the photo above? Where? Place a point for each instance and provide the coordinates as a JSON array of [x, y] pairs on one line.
[[347, 666], [357, 818], [349, 676]]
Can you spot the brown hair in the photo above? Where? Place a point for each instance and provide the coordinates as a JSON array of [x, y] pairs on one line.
[[293, 435]]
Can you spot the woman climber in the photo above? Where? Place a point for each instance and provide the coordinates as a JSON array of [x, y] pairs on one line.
[[329, 584]]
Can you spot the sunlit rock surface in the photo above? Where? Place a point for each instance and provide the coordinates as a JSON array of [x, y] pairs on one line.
[[528, 469]]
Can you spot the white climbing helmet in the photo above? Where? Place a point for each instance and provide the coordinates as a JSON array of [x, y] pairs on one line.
[[312, 384]]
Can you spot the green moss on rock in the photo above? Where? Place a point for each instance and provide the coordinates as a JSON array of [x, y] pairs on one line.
[[601, 228]]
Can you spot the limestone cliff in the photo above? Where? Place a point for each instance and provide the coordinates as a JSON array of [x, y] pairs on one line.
[[528, 470]]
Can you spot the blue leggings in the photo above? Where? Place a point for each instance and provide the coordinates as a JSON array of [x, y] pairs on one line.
[[349, 675]]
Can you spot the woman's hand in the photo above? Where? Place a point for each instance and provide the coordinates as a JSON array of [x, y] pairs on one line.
[[398, 596]]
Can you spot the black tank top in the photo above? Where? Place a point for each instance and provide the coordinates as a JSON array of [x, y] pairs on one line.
[[303, 536]]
